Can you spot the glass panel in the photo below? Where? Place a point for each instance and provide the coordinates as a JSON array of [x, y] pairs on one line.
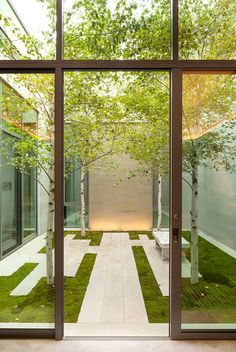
[[10, 202], [207, 29], [130, 29], [73, 199], [116, 133], [30, 202], [25, 35], [209, 202], [27, 201]]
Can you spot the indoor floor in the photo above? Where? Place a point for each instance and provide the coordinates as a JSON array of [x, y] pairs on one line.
[[116, 346]]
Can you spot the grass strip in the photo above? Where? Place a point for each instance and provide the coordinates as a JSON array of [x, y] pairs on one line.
[[215, 293], [157, 306], [133, 235], [75, 288], [37, 306], [95, 238]]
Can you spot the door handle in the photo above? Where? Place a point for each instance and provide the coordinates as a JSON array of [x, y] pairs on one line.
[[175, 235]]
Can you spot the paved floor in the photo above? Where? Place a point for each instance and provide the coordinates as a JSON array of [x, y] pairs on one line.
[[114, 294], [116, 346]]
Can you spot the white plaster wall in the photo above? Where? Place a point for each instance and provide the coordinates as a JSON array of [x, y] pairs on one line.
[[126, 206]]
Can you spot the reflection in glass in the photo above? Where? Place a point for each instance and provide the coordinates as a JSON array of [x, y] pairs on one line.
[[30, 202], [209, 202], [207, 29], [9, 203], [117, 29]]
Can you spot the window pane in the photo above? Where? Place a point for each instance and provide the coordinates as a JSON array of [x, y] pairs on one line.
[[26, 201], [207, 29], [10, 201], [30, 202], [131, 29], [116, 132], [27, 29], [209, 202]]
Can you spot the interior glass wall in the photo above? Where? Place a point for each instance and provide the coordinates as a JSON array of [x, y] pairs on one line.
[[117, 29], [27, 201], [209, 195]]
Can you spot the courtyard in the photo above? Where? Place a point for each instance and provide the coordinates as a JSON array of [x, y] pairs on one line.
[[116, 284]]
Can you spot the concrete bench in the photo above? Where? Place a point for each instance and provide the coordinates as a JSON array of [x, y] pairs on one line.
[[162, 240]]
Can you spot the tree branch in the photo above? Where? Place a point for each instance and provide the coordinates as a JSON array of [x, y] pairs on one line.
[[187, 182]]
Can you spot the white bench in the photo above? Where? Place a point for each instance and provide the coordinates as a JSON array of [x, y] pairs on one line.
[[162, 240]]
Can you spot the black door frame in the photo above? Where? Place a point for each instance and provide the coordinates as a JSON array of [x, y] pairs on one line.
[[176, 67]]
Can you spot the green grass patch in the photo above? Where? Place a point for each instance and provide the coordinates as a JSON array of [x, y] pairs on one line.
[[37, 306], [216, 290], [133, 235], [95, 237], [75, 288], [157, 306]]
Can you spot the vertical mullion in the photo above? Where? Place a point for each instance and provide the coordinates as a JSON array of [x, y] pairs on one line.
[[59, 31], [175, 30], [59, 206], [176, 202], [59, 182]]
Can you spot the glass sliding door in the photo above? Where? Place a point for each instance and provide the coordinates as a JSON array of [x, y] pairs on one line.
[[208, 285], [27, 201]]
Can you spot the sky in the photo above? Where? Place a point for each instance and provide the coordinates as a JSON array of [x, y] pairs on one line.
[[35, 19], [32, 15]]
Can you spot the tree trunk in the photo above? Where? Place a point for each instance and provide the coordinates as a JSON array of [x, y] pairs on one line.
[[159, 205], [82, 219], [194, 227], [49, 235]]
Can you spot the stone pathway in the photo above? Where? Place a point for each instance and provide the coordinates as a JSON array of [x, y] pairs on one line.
[[114, 294]]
